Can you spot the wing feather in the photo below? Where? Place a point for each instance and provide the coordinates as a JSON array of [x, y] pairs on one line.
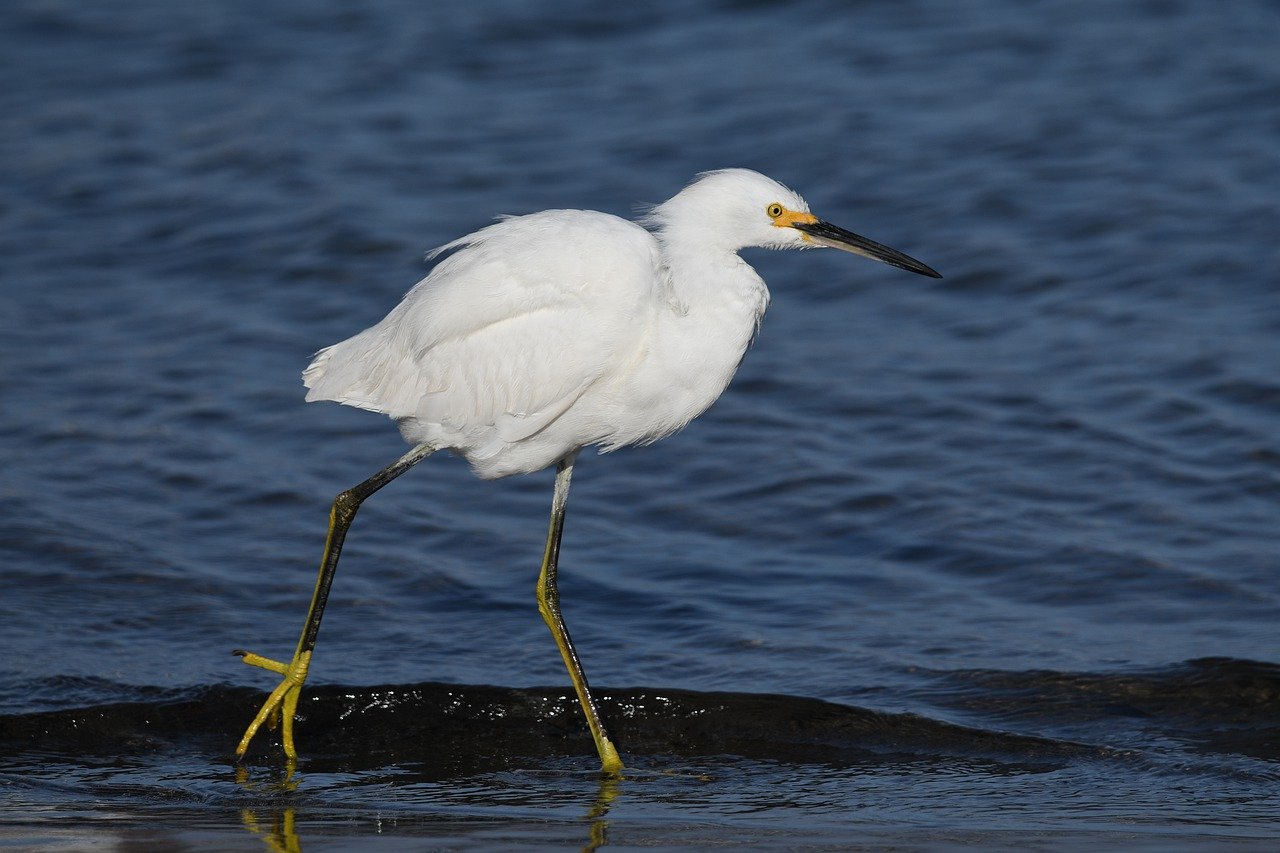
[[504, 335]]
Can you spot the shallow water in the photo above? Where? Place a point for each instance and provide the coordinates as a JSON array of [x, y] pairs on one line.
[[1016, 527]]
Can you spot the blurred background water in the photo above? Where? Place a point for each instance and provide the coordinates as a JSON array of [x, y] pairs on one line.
[[1018, 526]]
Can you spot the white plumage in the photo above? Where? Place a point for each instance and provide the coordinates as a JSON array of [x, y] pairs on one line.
[[544, 334]]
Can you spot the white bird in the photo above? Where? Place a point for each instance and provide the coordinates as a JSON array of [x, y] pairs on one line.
[[547, 333]]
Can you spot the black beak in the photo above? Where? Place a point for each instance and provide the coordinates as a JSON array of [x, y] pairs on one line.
[[826, 234]]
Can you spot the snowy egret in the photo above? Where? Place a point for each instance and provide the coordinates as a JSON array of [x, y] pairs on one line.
[[547, 333]]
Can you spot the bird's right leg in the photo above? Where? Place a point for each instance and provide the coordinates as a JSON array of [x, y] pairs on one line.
[[282, 704], [549, 607]]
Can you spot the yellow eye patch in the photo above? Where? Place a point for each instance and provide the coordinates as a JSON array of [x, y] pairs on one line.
[[784, 218]]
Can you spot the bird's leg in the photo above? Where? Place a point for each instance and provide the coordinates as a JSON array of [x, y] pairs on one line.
[[283, 701], [549, 607]]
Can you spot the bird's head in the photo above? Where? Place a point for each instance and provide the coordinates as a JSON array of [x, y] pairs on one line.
[[737, 208]]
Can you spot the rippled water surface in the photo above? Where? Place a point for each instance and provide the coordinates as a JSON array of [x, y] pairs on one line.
[[983, 561]]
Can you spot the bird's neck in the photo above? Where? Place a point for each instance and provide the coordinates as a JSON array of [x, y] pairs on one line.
[[710, 309], [716, 303], [713, 282]]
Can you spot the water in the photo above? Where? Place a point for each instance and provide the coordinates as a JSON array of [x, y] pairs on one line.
[[989, 560]]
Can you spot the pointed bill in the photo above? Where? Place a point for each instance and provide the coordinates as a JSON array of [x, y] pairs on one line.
[[826, 234]]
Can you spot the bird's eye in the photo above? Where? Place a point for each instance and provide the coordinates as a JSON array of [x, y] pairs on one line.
[[774, 210]]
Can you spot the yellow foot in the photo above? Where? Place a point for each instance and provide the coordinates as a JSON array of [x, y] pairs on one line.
[[282, 704]]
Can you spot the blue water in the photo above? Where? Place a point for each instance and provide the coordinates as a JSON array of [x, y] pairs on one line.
[[1037, 499]]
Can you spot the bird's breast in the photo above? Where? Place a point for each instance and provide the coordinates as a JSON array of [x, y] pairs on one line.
[[686, 360]]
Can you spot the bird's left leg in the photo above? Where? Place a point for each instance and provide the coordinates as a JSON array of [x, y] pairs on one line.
[[283, 701], [549, 607]]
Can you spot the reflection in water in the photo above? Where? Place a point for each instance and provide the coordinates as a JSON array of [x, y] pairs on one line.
[[281, 833], [274, 820], [281, 781], [281, 836], [609, 788]]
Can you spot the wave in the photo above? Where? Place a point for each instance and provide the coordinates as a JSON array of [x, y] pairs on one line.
[[1218, 705]]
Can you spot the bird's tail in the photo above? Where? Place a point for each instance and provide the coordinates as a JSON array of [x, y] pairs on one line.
[[351, 373]]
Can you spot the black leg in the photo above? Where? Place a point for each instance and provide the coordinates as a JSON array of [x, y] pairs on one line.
[[283, 701], [549, 607]]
